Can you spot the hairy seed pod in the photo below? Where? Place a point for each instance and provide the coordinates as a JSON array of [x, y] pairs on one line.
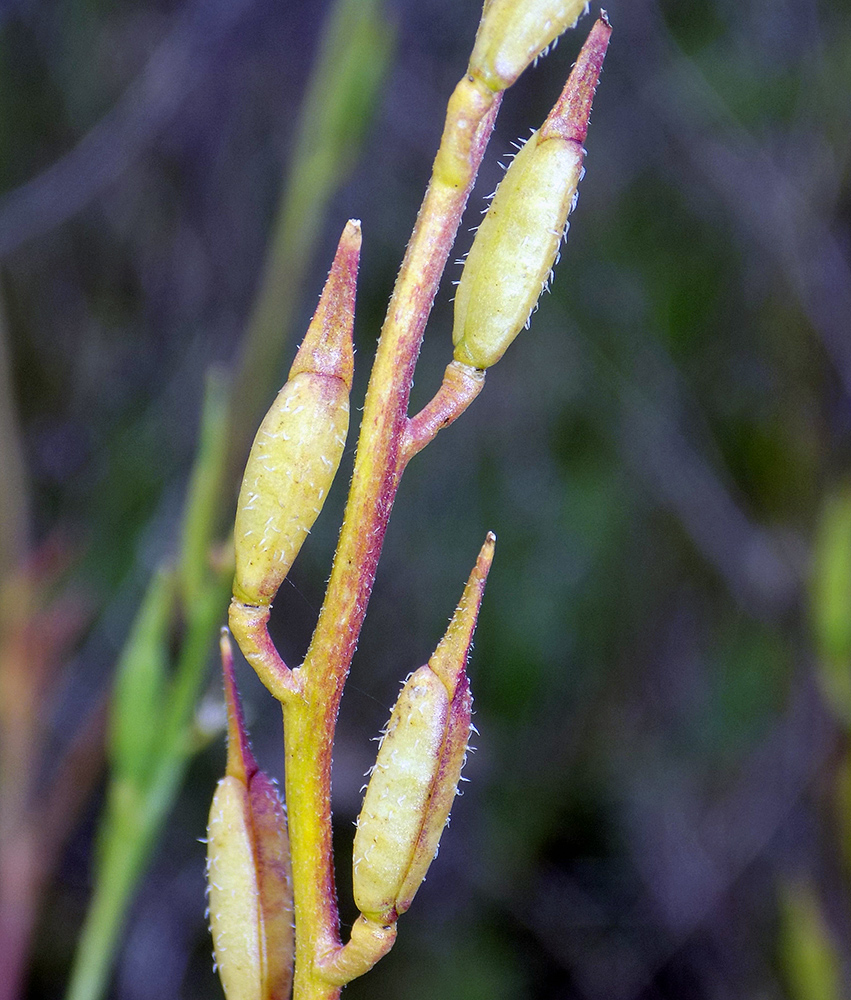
[[395, 810], [515, 248], [418, 768], [513, 33], [248, 871], [444, 789], [290, 469], [300, 442], [232, 879]]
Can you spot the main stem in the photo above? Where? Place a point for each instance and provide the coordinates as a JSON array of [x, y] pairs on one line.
[[309, 720]]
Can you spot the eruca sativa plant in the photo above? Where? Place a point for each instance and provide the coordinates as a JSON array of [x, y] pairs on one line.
[[273, 904]]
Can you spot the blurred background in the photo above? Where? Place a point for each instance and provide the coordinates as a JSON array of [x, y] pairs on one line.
[[659, 805]]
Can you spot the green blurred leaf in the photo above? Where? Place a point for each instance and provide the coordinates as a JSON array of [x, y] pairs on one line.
[[807, 951], [831, 600], [205, 489], [137, 703]]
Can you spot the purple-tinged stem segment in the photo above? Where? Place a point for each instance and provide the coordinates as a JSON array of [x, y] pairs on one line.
[[240, 761], [460, 386]]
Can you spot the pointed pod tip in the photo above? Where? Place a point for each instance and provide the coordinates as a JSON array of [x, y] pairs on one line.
[[327, 347], [449, 660], [240, 760], [568, 120], [484, 560], [348, 249]]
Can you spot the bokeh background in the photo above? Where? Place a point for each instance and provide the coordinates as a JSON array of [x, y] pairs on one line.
[[657, 807]]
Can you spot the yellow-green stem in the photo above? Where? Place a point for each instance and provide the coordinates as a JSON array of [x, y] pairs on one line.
[[309, 721], [307, 753]]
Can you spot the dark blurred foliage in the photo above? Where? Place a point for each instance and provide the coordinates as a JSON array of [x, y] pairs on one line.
[[654, 762]]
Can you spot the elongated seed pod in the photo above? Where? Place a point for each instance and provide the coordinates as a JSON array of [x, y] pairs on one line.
[[514, 250], [398, 793], [513, 33], [290, 469], [419, 763], [232, 879], [444, 789], [298, 447], [248, 871]]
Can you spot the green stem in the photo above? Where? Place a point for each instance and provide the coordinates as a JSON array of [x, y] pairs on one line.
[[126, 846], [135, 814]]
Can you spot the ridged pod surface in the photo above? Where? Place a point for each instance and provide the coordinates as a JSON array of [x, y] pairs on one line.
[[514, 250], [300, 442], [402, 816], [416, 774], [291, 467], [232, 879]]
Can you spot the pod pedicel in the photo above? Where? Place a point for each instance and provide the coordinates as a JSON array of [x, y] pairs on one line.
[[297, 450], [514, 250]]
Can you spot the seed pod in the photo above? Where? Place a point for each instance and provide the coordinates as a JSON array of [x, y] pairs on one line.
[[515, 247], [248, 871], [419, 763], [443, 791], [300, 442], [514, 32]]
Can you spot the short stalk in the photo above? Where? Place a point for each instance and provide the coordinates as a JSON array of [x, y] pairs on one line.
[[460, 386]]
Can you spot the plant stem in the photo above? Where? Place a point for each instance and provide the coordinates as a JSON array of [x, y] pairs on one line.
[[14, 486], [125, 849], [309, 721], [460, 386]]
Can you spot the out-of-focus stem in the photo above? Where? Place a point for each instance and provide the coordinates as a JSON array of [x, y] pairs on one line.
[[14, 494], [124, 853], [308, 721]]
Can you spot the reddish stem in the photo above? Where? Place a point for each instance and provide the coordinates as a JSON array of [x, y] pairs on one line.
[[309, 721], [460, 386]]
